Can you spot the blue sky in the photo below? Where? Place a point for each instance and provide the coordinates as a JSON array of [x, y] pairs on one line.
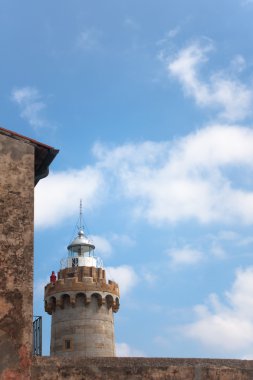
[[150, 104]]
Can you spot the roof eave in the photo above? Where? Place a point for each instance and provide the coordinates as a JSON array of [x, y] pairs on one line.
[[44, 154]]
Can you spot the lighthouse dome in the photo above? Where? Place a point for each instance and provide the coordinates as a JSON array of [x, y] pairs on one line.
[[81, 244]]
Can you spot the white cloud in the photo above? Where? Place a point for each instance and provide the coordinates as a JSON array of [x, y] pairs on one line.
[[184, 179], [187, 178], [31, 105], [146, 153], [226, 327], [219, 90], [123, 349], [57, 196], [184, 256], [125, 276], [103, 245]]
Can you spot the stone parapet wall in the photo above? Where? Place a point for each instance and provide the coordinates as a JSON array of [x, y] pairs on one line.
[[141, 369]]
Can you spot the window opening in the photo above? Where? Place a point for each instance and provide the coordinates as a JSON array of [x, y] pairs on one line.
[[67, 344]]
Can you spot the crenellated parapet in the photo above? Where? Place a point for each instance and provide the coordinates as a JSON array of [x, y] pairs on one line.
[[66, 299], [81, 272], [79, 286]]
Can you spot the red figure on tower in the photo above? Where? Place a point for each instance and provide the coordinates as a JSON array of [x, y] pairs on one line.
[[53, 278]]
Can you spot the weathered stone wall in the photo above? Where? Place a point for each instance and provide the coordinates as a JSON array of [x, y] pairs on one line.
[[16, 256], [89, 327], [141, 369]]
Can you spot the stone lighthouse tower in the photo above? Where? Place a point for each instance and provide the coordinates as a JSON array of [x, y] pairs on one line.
[[81, 303]]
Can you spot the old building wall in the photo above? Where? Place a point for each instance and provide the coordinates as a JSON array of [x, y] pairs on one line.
[[16, 256], [141, 369]]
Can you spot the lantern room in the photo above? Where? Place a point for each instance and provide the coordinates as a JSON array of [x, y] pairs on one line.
[[81, 250]]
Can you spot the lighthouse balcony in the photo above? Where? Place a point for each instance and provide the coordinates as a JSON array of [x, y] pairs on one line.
[[75, 260]]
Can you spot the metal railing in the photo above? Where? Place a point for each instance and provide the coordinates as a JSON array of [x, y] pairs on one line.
[[68, 262], [37, 336]]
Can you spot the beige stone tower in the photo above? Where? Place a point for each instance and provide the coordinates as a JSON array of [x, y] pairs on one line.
[[82, 303]]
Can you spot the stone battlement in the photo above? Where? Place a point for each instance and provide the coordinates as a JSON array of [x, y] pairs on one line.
[[81, 272], [82, 279], [81, 282]]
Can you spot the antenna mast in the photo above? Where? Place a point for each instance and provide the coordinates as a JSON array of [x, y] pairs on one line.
[[81, 226]]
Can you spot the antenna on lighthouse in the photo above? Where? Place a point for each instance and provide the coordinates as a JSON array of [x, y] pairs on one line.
[[81, 225]]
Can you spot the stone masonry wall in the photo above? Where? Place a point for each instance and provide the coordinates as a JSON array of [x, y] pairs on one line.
[[90, 329], [16, 257], [141, 369]]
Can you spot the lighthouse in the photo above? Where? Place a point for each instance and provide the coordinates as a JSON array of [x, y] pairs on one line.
[[81, 302]]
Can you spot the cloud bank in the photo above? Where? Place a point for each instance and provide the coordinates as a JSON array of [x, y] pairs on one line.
[[169, 182], [200, 176], [187, 178], [184, 256], [125, 276], [57, 197], [226, 327]]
